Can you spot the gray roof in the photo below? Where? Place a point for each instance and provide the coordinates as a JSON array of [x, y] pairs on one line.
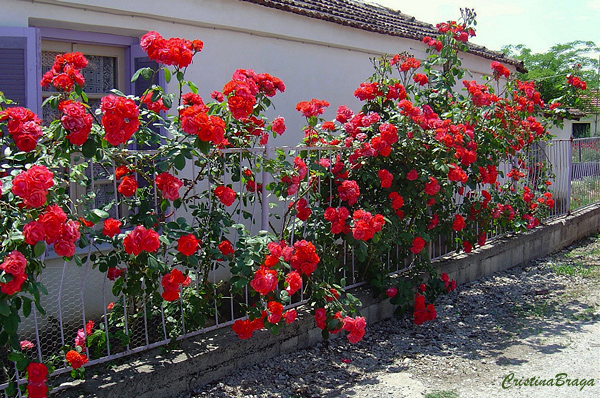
[[374, 18]]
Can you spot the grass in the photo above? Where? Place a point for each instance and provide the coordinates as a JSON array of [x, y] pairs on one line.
[[571, 269], [442, 394]]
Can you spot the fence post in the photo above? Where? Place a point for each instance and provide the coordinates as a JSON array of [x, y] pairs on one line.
[[264, 217], [570, 173]]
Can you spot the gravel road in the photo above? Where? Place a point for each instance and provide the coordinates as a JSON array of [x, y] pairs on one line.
[[540, 320]]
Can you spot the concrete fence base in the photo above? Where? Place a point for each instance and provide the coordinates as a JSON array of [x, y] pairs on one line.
[[198, 361]]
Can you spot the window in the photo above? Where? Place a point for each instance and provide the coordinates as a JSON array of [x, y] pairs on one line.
[[581, 130]]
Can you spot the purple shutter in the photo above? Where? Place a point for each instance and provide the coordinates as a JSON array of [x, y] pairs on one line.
[[20, 66]]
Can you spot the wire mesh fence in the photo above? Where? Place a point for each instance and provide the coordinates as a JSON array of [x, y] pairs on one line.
[[82, 296]]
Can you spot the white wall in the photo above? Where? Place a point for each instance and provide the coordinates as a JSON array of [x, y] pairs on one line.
[[314, 58]]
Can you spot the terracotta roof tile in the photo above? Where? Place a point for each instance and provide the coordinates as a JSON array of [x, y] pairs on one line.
[[373, 18]]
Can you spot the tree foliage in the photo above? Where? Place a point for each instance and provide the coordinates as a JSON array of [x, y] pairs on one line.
[[548, 70]]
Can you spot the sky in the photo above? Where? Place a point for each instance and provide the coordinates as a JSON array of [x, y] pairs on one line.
[[538, 24]]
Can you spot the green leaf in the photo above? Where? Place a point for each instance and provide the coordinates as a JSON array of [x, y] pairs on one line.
[[100, 213], [204, 146], [167, 73], [26, 307], [179, 162], [11, 323], [4, 308], [147, 73], [136, 75], [89, 148], [39, 249], [167, 101], [193, 87]]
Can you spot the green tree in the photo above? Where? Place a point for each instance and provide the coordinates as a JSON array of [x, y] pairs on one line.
[[549, 70]]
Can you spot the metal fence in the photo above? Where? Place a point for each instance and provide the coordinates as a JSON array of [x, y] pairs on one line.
[[81, 294]]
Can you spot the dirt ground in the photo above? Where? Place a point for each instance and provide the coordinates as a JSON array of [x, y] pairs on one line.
[[538, 324]]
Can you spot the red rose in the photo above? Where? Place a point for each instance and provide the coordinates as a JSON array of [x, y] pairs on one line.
[[37, 390], [112, 227], [172, 283], [225, 248], [14, 263], [64, 248], [34, 232], [141, 239], [432, 187], [278, 125], [37, 372], [14, 285], [114, 273], [459, 223], [52, 220], [128, 186], [265, 281], [187, 245], [417, 245], [355, 328], [391, 292], [75, 359], [321, 318], [169, 185], [225, 194], [412, 175], [290, 316], [304, 257], [294, 282]]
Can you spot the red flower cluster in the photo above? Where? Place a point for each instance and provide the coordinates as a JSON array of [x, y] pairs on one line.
[[243, 88], [76, 121], [75, 359], [302, 209], [245, 328], [174, 51], [459, 223], [32, 185], [264, 281], [338, 218], [65, 72], [172, 283], [188, 244], [355, 328], [311, 108], [37, 375], [14, 265], [278, 125], [368, 91], [111, 227], [421, 79], [432, 187], [304, 257], [195, 121], [294, 282], [386, 178], [81, 335], [406, 63], [433, 43], [225, 194], [24, 126], [120, 119], [141, 239], [576, 82], [499, 70], [168, 185], [449, 285], [423, 313], [349, 192], [366, 225], [53, 227], [479, 94], [460, 32], [457, 174]]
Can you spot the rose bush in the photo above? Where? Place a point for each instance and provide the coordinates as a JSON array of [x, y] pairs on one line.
[[420, 162]]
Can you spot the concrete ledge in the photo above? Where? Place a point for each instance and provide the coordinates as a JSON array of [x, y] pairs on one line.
[[213, 355]]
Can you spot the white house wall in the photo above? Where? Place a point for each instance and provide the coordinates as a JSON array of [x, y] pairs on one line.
[[314, 58]]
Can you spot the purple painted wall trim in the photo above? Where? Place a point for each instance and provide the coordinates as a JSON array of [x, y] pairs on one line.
[[33, 71]]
